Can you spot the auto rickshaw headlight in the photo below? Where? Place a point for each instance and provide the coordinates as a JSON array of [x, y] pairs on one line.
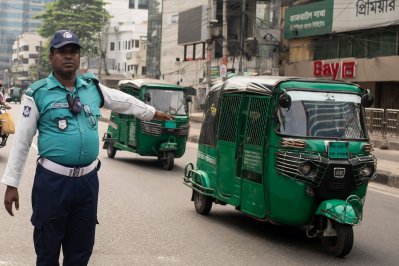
[[305, 167], [367, 170]]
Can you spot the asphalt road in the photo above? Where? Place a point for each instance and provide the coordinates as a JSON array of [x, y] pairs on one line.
[[146, 218]]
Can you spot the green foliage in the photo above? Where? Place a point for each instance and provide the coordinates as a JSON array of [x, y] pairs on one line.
[[85, 18]]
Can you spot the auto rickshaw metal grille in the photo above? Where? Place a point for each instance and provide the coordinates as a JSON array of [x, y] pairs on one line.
[[229, 118], [256, 121], [156, 129], [287, 163], [150, 128], [358, 162], [182, 130]]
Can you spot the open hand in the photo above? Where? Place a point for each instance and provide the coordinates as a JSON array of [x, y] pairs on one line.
[[163, 116]]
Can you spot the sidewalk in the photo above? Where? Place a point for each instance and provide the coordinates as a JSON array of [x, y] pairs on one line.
[[387, 171]]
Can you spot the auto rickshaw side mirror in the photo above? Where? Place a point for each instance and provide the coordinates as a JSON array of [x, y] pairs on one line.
[[189, 99], [367, 99], [284, 100], [147, 97]]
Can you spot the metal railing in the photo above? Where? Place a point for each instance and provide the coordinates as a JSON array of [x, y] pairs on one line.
[[384, 123]]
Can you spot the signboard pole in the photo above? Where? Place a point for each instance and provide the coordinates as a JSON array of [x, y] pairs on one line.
[[242, 35], [224, 34], [209, 47]]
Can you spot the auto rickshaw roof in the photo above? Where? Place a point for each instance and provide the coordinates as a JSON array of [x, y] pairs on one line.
[[256, 84], [265, 84], [138, 83]]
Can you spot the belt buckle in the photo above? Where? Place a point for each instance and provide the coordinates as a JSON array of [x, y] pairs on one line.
[[75, 172]]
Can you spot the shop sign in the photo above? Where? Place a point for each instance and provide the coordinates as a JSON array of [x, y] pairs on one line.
[[309, 19], [334, 70]]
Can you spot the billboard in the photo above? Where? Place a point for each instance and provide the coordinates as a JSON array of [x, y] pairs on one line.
[[358, 14], [193, 26]]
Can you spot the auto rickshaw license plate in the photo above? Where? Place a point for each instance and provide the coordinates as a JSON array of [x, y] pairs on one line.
[[170, 124], [338, 150]]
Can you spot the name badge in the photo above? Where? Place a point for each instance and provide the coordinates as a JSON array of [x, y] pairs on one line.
[[59, 105], [62, 124]]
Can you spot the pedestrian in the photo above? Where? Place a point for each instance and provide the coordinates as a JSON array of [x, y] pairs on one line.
[[64, 108]]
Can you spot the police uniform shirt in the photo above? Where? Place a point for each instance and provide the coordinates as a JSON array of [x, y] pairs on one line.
[[64, 137]]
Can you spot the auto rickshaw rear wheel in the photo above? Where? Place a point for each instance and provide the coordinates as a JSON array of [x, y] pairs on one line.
[[341, 244], [202, 203], [111, 150], [168, 161]]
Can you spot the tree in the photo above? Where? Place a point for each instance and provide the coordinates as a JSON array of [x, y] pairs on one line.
[[85, 18]]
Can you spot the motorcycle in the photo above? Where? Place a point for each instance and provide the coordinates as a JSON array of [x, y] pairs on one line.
[[3, 134]]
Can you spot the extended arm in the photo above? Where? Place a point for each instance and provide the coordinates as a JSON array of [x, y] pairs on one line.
[[124, 103]]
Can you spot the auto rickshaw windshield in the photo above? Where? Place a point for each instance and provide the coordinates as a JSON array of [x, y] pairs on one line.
[[321, 114], [170, 101]]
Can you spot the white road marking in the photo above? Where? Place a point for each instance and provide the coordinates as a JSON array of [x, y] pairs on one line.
[[389, 191]]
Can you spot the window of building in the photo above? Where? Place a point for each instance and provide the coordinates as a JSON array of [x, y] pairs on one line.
[[361, 44], [136, 43], [374, 44], [119, 46], [131, 4], [388, 42], [112, 46], [25, 60], [320, 49], [143, 4], [345, 46], [143, 70], [24, 48]]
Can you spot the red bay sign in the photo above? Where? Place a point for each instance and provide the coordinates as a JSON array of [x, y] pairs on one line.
[[334, 70]]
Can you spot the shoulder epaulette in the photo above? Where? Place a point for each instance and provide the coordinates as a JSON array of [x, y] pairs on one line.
[[92, 77], [89, 76], [35, 86]]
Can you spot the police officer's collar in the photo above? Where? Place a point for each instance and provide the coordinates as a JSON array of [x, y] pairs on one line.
[[52, 82]]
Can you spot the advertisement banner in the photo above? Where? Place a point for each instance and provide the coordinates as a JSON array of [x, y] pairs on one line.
[[308, 20], [364, 14]]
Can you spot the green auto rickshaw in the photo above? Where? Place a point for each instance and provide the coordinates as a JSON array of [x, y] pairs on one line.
[[15, 95], [163, 139], [289, 151]]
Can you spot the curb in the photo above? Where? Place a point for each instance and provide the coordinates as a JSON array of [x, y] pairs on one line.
[[387, 178]]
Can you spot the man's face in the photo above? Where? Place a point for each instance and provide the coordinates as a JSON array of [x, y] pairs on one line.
[[65, 60]]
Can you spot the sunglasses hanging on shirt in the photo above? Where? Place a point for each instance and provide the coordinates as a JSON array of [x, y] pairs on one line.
[[75, 106]]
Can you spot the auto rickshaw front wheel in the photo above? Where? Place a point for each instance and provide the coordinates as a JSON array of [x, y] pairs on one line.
[[341, 244], [111, 150], [168, 161], [202, 203]]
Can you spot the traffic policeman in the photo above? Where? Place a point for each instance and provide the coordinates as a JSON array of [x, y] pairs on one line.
[[64, 108]]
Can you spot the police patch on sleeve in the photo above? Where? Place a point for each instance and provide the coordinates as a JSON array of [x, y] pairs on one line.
[[26, 112]]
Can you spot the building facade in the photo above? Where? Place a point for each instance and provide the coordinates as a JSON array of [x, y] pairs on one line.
[[351, 40], [195, 45], [122, 39], [25, 55], [16, 17]]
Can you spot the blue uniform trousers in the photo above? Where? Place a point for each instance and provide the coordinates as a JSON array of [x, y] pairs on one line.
[[64, 215]]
